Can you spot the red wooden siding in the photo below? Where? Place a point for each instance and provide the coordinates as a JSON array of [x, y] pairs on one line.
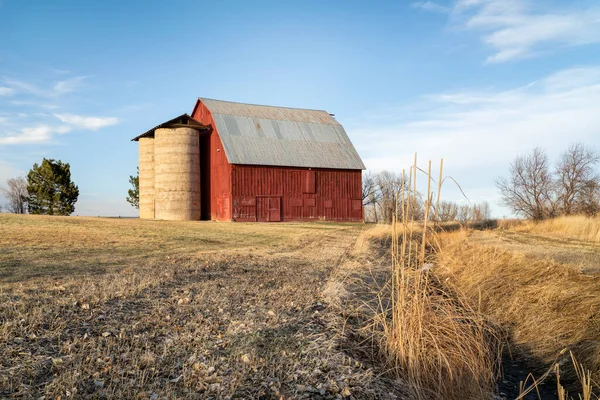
[[334, 194], [220, 171], [266, 193]]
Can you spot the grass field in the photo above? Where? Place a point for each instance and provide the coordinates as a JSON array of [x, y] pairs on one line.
[[148, 309], [126, 308]]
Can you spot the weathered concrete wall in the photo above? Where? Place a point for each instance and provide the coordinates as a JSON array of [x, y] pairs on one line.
[[146, 164], [177, 174]]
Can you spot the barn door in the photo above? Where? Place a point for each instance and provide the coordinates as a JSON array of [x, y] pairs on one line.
[[268, 209], [274, 209]]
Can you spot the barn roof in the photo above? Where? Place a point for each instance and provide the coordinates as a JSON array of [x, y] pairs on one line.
[[183, 120], [266, 135]]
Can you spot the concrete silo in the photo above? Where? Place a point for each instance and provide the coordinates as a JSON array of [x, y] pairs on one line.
[[146, 183], [177, 174]]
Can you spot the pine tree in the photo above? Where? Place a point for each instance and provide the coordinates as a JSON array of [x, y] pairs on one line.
[[50, 188], [133, 195]]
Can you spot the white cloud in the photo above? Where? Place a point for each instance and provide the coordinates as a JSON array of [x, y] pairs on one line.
[[36, 134], [6, 91], [68, 85], [83, 122], [478, 133], [431, 7], [57, 89], [517, 29]]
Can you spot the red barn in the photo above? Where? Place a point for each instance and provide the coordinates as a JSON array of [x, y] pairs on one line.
[[244, 162]]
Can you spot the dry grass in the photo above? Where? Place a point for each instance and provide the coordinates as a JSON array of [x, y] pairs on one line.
[[545, 306], [95, 308], [577, 227], [429, 337], [430, 340], [43, 247]]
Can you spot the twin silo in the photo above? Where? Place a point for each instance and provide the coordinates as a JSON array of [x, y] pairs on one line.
[[169, 168], [245, 162]]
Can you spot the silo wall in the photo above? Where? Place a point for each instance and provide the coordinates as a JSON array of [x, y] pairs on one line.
[[177, 174], [146, 187]]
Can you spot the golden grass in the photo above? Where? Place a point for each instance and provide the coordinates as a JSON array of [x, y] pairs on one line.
[[431, 338], [33, 246], [544, 306], [577, 227]]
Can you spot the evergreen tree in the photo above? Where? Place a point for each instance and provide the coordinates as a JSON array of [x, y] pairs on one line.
[[133, 195], [50, 188]]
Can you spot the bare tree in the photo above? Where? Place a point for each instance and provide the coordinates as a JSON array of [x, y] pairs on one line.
[[589, 199], [463, 214], [16, 194], [529, 189], [481, 211], [368, 188], [576, 178], [447, 211], [388, 186]]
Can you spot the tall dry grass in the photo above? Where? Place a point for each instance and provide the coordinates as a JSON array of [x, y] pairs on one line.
[[577, 227], [544, 306], [431, 338]]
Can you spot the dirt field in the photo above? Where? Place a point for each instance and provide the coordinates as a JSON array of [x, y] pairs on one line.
[[125, 308], [102, 308]]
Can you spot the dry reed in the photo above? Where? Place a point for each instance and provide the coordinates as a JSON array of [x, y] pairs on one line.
[[545, 306], [432, 339]]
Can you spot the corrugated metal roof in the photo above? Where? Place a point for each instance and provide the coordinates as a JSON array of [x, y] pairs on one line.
[[181, 121], [266, 135]]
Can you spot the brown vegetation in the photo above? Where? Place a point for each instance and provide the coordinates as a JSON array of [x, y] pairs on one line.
[[151, 309], [544, 306], [576, 227]]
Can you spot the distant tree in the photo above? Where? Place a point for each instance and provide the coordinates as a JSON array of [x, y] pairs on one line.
[[389, 185], [589, 199], [16, 194], [577, 179], [529, 188], [464, 213], [133, 195], [50, 188], [481, 211], [447, 211]]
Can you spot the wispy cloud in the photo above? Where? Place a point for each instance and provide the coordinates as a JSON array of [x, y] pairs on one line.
[[6, 91], [68, 85], [56, 89], [46, 128], [478, 132], [431, 6], [83, 122], [36, 134], [517, 29]]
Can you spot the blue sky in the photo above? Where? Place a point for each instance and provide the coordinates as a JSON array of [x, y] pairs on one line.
[[474, 81]]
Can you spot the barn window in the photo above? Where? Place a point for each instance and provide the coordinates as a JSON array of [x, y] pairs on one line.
[[309, 182]]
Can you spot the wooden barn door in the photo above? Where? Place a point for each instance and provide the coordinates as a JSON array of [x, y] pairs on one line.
[[268, 209]]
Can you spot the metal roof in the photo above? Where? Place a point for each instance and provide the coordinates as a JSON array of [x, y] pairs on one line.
[[266, 135], [183, 120]]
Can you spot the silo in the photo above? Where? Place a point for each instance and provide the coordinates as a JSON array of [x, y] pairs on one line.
[[146, 183], [177, 173]]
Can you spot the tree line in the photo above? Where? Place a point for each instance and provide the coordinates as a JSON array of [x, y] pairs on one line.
[[537, 190], [380, 192], [48, 189]]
